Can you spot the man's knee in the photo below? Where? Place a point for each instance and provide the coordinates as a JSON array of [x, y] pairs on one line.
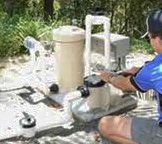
[[104, 124]]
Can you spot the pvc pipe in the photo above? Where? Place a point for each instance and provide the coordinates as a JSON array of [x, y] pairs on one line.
[[88, 23], [107, 49], [97, 20]]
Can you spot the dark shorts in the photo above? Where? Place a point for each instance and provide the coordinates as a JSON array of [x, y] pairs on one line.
[[146, 131]]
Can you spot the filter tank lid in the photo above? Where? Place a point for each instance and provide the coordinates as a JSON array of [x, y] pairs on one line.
[[93, 81], [68, 34]]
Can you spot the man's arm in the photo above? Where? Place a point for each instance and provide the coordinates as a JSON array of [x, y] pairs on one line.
[[133, 70], [118, 81]]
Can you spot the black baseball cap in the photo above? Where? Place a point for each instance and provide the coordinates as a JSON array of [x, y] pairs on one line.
[[154, 22]]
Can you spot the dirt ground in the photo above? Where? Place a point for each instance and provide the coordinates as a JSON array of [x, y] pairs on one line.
[[82, 132]]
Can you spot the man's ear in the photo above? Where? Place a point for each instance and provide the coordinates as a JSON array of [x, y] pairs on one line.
[[158, 40]]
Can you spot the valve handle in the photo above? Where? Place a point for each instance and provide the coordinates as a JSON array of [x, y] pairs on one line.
[[84, 91]]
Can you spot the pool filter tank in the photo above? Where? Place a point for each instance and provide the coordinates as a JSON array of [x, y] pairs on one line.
[[99, 92], [69, 48]]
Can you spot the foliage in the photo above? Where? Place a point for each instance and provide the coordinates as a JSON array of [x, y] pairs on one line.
[[141, 46], [25, 17], [15, 29]]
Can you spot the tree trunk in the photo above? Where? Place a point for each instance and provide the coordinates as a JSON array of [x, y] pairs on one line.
[[9, 6], [48, 9]]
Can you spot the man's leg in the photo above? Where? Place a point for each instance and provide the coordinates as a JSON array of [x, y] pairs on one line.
[[116, 129]]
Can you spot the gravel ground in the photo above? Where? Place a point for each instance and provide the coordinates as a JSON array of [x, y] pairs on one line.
[[82, 132]]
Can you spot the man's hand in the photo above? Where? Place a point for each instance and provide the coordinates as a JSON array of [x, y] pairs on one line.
[[106, 76]]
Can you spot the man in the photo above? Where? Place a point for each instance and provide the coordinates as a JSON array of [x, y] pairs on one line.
[[127, 130]]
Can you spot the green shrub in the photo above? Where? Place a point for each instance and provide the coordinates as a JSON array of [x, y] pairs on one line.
[[13, 30], [141, 45], [126, 17]]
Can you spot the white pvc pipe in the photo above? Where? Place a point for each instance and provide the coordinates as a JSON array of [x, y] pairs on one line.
[[97, 20], [107, 42], [88, 23]]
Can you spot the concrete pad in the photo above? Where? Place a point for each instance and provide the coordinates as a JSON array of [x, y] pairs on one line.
[[11, 112], [124, 104]]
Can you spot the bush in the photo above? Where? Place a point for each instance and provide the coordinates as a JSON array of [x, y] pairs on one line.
[[141, 45], [126, 17], [13, 30]]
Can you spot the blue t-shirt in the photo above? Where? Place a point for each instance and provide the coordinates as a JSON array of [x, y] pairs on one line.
[[150, 77]]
